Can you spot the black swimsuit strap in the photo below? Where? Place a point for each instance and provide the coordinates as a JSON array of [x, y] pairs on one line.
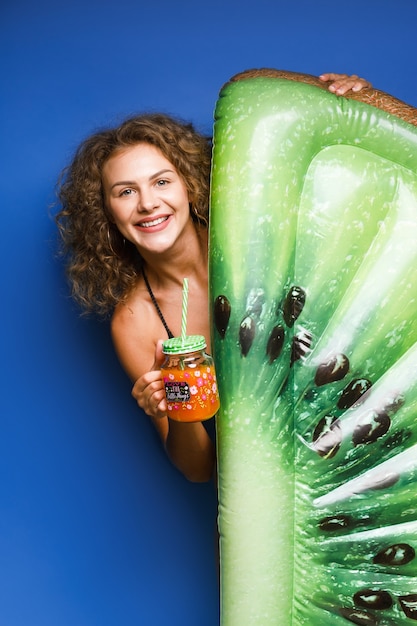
[[158, 310]]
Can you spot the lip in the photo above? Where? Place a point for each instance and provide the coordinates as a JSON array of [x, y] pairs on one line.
[[153, 224]]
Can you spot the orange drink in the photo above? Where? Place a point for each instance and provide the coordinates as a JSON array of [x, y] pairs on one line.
[[190, 380]]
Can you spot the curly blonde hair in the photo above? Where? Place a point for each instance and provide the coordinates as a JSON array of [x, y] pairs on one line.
[[101, 265]]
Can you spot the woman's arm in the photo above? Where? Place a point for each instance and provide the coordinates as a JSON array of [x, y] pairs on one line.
[[188, 446]]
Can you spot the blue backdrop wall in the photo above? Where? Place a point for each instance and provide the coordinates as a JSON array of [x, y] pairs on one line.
[[96, 527]]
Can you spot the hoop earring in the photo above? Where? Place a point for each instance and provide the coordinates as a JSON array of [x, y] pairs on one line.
[[196, 216], [193, 211], [110, 243]]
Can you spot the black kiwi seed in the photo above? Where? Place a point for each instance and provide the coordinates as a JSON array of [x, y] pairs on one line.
[[327, 436], [334, 523], [353, 392], [373, 599], [371, 426], [275, 343], [293, 305], [221, 314], [397, 554], [334, 369], [409, 605], [247, 332], [301, 345]]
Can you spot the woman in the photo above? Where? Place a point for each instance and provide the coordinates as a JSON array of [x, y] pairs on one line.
[[133, 224]]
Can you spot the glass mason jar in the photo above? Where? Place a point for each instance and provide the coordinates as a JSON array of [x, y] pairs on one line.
[[190, 379]]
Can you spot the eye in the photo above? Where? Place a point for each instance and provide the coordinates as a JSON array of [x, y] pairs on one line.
[[126, 192], [162, 182]]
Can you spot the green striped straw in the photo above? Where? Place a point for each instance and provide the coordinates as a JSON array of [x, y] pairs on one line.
[[184, 309]]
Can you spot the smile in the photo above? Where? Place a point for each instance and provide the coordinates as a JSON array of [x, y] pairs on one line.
[[154, 222]]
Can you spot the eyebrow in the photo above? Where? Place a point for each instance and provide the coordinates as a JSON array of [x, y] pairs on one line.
[[131, 183]]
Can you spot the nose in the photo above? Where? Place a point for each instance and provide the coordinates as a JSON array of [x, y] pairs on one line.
[[148, 200]]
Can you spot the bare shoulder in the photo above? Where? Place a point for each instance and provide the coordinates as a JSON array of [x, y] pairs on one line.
[[135, 334]]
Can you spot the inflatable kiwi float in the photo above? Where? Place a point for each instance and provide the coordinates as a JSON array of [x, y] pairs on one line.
[[313, 290]]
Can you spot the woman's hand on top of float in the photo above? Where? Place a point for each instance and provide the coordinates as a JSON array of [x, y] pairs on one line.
[[342, 83]]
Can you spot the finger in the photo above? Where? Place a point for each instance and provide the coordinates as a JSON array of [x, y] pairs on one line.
[[332, 76], [343, 86], [156, 406], [159, 355], [361, 83], [355, 86], [143, 393], [161, 409], [151, 379], [158, 397], [137, 387]]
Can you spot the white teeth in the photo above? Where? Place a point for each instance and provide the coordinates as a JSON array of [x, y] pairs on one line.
[[155, 222]]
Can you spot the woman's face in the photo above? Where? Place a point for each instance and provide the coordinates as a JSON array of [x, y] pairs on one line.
[[146, 198]]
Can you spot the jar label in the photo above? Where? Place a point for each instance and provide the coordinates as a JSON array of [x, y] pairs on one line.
[[177, 391]]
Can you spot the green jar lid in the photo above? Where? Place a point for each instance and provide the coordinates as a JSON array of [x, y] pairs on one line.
[[178, 345]]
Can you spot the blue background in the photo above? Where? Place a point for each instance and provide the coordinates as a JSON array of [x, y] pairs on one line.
[[96, 527]]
